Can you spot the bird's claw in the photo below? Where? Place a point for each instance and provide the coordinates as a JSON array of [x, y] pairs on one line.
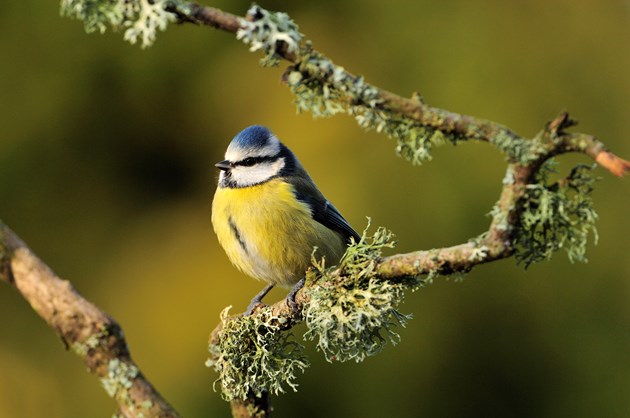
[[257, 300], [291, 296]]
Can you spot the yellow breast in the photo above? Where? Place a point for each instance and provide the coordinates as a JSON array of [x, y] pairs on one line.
[[270, 235]]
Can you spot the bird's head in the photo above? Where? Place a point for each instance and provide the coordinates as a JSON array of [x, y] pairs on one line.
[[254, 156]]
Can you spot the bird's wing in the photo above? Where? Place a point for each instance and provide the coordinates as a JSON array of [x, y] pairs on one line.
[[331, 218], [321, 209]]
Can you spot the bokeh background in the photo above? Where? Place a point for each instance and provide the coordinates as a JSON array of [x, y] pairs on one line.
[[106, 156]]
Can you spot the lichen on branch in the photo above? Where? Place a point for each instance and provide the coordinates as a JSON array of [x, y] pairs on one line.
[[272, 32], [557, 215], [91, 334], [325, 88], [140, 19], [254, 354], [351, 313], [347, 310]]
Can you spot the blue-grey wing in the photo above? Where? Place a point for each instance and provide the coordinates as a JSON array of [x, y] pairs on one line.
[[321, 209], [329, 216]]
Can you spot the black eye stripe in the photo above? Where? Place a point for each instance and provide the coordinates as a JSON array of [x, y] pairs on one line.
[[250, 161]]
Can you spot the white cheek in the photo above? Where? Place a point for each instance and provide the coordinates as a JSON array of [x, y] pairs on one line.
[[245, 176], [259, 173]]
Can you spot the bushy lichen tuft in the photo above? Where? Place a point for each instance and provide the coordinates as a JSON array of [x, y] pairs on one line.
[[270, 32], [351, 312], [557, 215], [141, 19], [255, 354], [415, 142], [144, 18], [96, 15]]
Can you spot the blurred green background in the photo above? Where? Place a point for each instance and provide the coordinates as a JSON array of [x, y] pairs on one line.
[[106, 156]]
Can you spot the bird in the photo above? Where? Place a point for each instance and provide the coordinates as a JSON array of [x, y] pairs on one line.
[[270, 217]]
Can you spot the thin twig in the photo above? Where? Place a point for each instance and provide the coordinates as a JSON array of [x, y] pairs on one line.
[[98, 339], [498, 241], [445, 121]]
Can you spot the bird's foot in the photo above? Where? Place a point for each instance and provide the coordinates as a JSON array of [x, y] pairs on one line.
[[291, 296], [258, 299]]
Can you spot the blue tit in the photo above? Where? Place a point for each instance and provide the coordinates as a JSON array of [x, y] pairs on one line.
[[269, 216]]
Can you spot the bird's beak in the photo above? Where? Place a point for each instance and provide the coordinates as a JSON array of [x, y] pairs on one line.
[[223, 165]]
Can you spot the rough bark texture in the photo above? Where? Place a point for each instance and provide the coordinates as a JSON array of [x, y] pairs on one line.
[[89, 332], [98, 339]]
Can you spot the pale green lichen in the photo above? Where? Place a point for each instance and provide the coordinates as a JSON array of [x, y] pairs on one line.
[[119, 380], [148, 404], [120, 373], [509, 178], [140, 19], [431, 276], [96, 339], [144, 19], [269, 32], [319, 85], [97, 15], [415, 142], [517, 149], [557, 215], [478, 253], [352, 313], [254, 355], [500, 218], [120, 377], [326, 89]]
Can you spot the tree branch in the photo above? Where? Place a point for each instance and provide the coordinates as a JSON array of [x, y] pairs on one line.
[[326, 89], [89, 332], [462, 126], [524, 164]]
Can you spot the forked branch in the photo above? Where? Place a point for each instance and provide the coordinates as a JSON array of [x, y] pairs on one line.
[[326, 89]]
